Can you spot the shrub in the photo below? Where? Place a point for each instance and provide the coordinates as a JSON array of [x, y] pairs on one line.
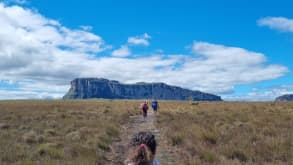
[[103, 145], [28, 162], [48, 150], [112, 131], [30, 137], [73, 136], [50, 132], [238, 154], [4, 126], [177, 139], [208, 156], [209, 137]]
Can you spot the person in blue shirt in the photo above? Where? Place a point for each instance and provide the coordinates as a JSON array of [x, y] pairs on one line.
[[155, 105]]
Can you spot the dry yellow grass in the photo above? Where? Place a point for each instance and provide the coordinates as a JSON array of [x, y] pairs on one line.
[[55, 132], [229, 133], [81, 132]]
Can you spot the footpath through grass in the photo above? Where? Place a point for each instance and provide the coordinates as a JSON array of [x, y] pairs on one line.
[[136, 124], [83, 132]]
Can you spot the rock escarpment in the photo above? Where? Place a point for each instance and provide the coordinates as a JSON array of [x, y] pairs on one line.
[[87, 88], [288, 97]]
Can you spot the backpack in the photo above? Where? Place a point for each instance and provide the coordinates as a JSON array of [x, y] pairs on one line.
[[154, 104], [145, 106]]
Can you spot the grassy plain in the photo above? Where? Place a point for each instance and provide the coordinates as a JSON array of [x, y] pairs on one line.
[[60, 132], [229, 133], [82, 131]]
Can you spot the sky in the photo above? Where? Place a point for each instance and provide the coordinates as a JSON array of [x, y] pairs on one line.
[[241, 50]]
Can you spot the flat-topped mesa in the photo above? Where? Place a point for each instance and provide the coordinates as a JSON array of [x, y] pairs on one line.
[[288, 97], [88, 88]]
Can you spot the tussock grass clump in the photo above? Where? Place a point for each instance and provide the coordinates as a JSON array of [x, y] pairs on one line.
[[104, 145], [112, 131], [50, 132], [50, 151], [30, 137], [177, 139], [4, 126], [209, 137], [73, 136], [207, 156], [237, 153]]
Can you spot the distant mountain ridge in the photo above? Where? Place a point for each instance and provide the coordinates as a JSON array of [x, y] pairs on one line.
[[87, 88], [288, 97]]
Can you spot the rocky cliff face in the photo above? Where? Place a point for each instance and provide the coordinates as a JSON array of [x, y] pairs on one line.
[[285, 98], [86, 88]]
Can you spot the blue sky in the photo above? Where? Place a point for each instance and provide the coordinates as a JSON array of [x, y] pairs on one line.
[[241, 50]]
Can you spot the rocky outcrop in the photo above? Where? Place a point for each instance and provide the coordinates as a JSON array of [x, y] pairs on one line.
[[288, 97], [86, 88]]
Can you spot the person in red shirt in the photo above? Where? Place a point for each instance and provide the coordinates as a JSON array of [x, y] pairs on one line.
[[144, 108]]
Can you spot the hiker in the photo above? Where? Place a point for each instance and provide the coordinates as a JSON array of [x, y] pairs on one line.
[[143, 149], [155, 105], [144, 108]]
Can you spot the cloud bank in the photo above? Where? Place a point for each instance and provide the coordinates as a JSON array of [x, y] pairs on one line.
[[123, 51], [268, 94], [140, 40], [39, 56], [277, 23]]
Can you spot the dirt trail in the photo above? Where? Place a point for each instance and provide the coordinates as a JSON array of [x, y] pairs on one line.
[[119, 149]]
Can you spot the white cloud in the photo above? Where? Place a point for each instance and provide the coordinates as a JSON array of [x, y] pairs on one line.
[[140, 40], [269, 94], [219, 68], [86, 28], [41, 50], [278, 23], [20, 2], [216, 69], [123, 51], [30, 28], [40, 56], [20, 94]]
